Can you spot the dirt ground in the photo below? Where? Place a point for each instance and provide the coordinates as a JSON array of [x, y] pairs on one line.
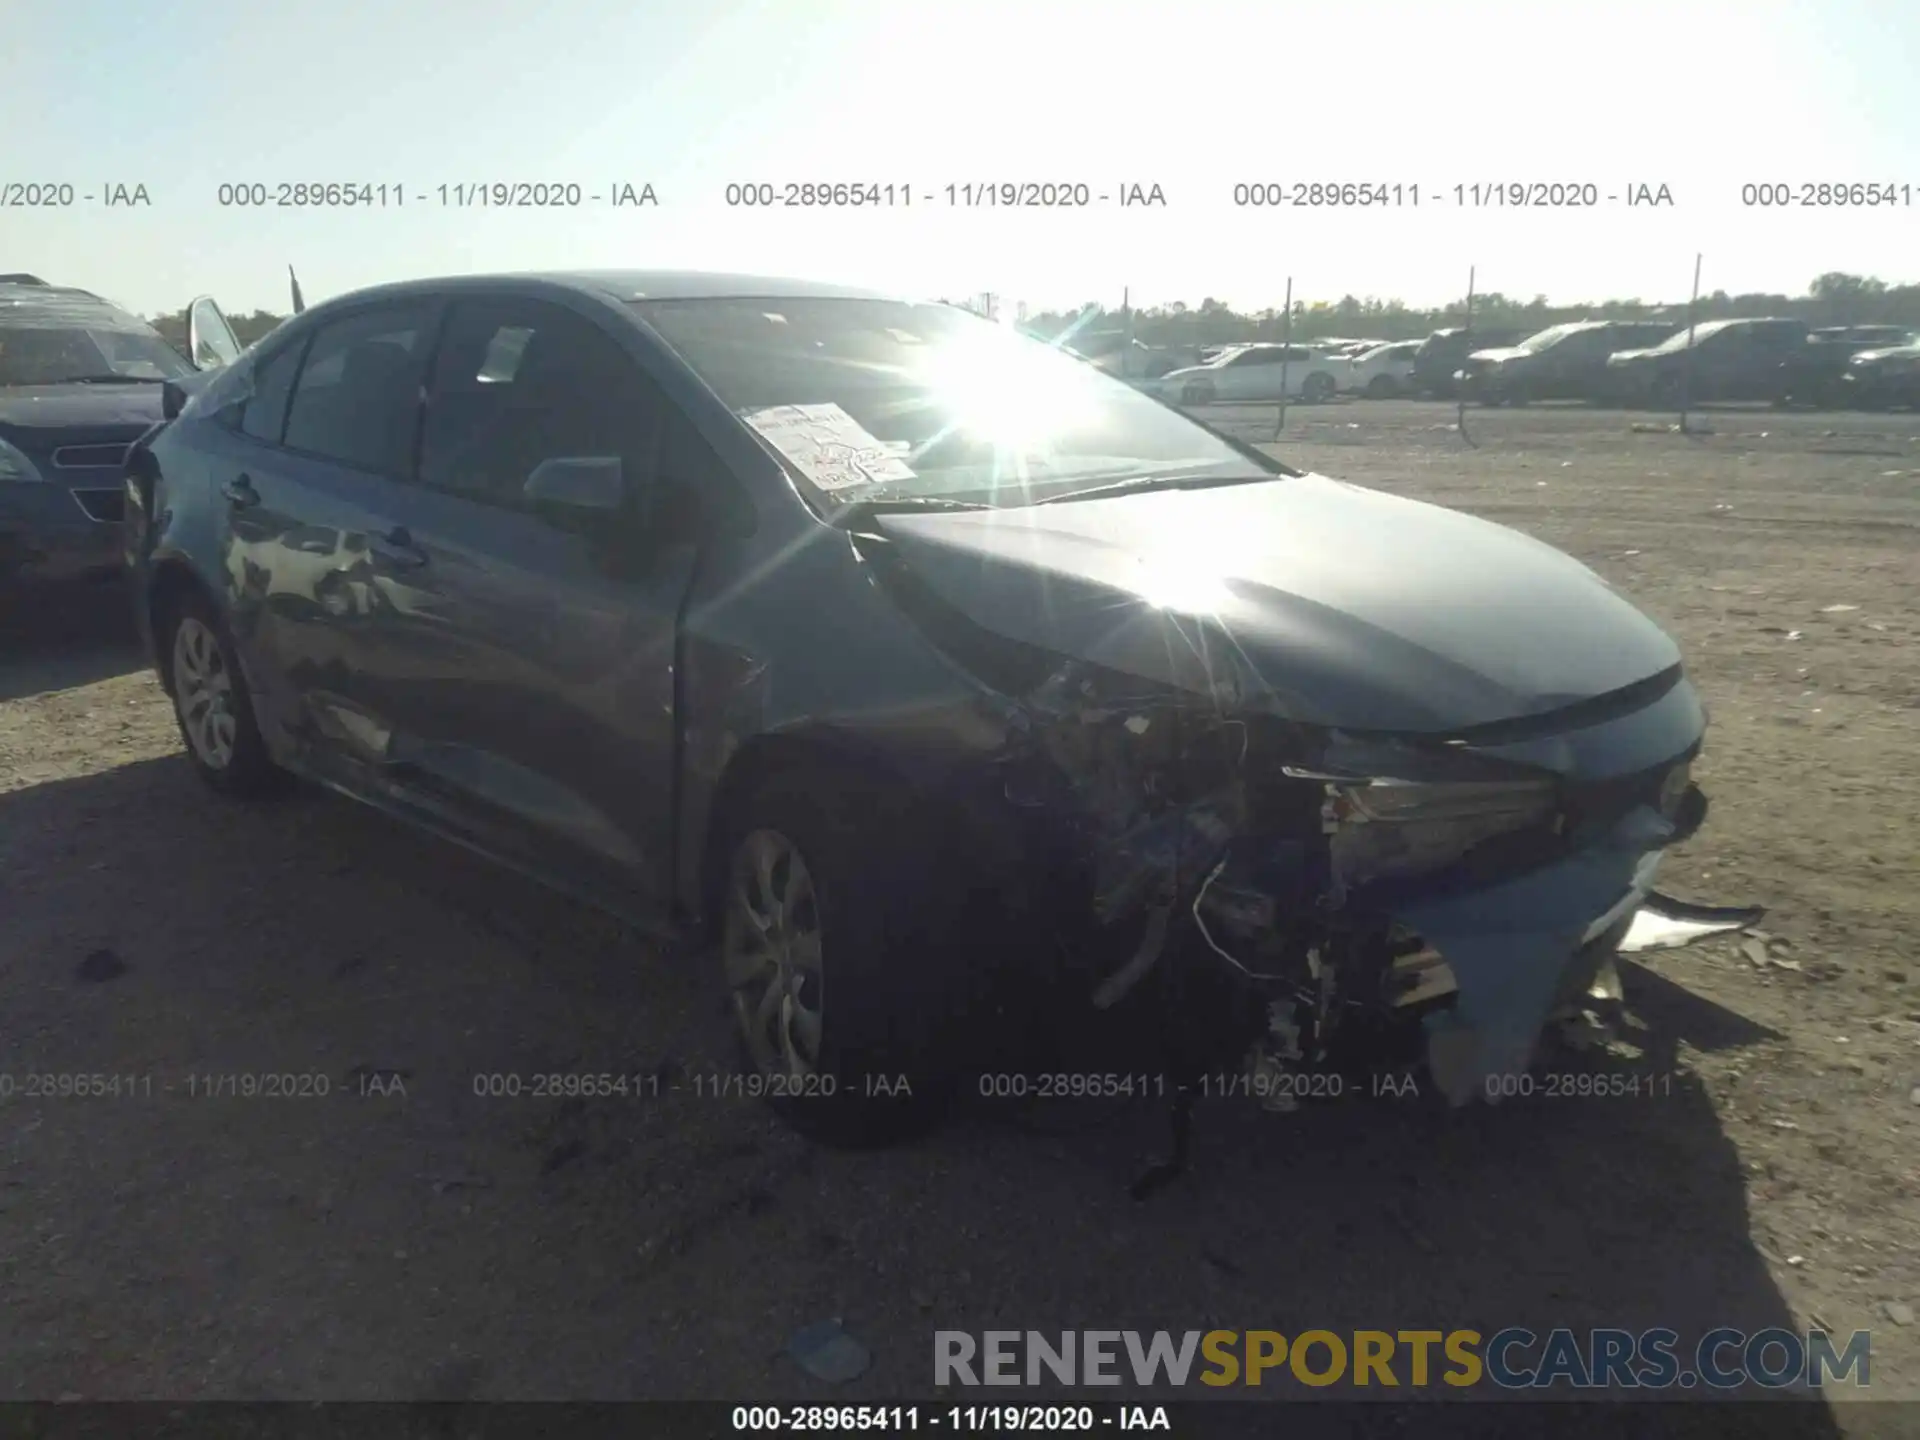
[[404, 1237]]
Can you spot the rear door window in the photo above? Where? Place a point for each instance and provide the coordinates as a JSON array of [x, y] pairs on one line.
[[264, 413], [357, 400]]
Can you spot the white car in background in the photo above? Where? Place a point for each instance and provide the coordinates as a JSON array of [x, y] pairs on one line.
[[1256, 372], [1382, 372]]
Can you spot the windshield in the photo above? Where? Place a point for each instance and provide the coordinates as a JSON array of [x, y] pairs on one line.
[[1678, 340], [883, 398], [1552, 335], [46, 355]]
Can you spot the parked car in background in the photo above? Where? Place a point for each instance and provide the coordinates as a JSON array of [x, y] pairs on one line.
[[919, 676], [1137, 360], [1562, 362], [80, 381], [1256, 373], [1440, 354], [1382, 372], [1721, 360], [1878, 379], [1815, 374]]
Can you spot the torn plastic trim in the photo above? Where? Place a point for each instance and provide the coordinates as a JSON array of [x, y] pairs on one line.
[[1663, 923], [1423, 976], [1510, 947]]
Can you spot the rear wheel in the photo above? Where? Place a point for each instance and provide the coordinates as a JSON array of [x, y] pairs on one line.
[[841, 961], [212, 703], [1383, 387], [1317, 387], [1196, 394]]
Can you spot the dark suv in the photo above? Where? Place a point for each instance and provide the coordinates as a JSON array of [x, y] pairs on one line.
[[1441, 353], [1815, 374], [1562, 362], [1720, 360], [80, 381]]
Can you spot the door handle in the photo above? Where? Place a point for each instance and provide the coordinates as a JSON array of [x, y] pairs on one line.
[[397, 549], [240, 492]]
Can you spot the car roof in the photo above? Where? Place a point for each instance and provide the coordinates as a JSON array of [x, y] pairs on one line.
[[626, 285], [40, 304]]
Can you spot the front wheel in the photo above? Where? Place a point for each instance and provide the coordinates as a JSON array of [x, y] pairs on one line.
[[212, 703], [1317, 388], [844, 979], [1382, 387], [1196, 394]]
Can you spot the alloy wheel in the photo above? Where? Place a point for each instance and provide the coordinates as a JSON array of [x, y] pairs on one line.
[[771, 949], [203, 693]]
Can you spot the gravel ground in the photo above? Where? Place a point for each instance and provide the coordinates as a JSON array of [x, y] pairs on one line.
[[403, 1237]]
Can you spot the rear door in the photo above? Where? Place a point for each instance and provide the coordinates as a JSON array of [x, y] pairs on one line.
[[1255, 374], [328, 430], [529, 674], [1754, 372]]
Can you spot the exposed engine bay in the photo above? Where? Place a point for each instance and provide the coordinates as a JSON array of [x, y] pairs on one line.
[[1315, 881]]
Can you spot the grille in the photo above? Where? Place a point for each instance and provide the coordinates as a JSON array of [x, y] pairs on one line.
[[87, 457], [106, 506]]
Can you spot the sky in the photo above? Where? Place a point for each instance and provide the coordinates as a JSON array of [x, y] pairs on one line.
[[1192, 96]]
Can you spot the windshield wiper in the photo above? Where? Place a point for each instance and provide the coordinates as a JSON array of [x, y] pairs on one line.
[[1137, 483], [855, 511], [110, 379]]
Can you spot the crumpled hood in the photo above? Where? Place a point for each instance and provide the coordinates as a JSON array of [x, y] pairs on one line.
[[1349, 607], [67, 407]]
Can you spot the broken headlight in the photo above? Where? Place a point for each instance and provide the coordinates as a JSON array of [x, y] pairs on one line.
[[1383, 827]]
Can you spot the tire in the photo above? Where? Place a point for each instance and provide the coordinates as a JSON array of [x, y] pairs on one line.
[[1196, 394], [1317, 388], [843, 968], [1382, 387], [212, 704]]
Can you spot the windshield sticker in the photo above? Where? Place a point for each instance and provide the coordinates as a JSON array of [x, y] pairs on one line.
[[832, 449]]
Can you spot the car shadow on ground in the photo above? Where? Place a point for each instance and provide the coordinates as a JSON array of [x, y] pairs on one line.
[[59, 637], [594, 1249]]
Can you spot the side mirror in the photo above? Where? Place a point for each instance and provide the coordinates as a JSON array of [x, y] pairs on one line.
[[210, 340], [577, 487]]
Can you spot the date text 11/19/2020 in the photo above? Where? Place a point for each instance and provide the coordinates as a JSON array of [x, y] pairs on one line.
[[1476, 195], [1284, 1087], [958, 1419]]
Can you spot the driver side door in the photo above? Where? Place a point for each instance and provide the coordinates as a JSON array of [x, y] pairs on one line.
[[528, 659]]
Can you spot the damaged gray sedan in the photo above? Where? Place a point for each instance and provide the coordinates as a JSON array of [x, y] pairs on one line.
[[954, 691]]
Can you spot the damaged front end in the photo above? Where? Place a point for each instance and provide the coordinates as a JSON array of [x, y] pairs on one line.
[[1282, 882]]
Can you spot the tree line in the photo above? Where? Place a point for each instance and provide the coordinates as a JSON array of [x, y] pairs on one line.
[[246, 328], [1835, 298]]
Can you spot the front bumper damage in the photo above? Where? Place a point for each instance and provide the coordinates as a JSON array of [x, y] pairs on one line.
[[1217, 840]]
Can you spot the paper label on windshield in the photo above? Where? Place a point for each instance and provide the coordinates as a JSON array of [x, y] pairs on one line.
[[832, 449]]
